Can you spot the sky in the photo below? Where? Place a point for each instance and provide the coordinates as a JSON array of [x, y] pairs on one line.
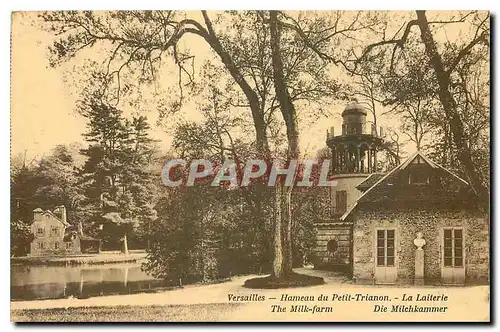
[[41, 106], [43, 102]]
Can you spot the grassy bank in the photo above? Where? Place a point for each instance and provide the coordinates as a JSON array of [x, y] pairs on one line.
[[169, 313], [102, 258]]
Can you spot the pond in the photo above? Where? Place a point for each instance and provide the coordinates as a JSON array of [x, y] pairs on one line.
[[80, 281]]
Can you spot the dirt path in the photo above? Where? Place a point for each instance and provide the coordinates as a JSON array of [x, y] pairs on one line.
[[462, 303]]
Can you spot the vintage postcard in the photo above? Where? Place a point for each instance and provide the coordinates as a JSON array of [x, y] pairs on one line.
[[250, 166]]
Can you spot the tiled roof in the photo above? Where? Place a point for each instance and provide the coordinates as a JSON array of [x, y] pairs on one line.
[[370, 181], [65, 223], [397, 169]]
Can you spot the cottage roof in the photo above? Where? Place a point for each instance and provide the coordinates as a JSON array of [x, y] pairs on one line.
[[65, 223], [397, 169], [369, 181]]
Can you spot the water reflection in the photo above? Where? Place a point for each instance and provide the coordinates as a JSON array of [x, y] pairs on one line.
[[54, 282]]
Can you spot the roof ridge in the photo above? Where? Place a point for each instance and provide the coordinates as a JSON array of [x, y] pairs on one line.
[[443, 168], [400, 166], [65, 223], [369, 176]]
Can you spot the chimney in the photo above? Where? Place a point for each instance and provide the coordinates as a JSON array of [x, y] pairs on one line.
[[61, 211], [37, 214]]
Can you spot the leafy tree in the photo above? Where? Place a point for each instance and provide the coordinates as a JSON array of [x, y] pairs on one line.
[[23, 187], [117, 183], [276, 66], [444, 59], [20, 238], [392, 149], [44, 183], [58, 183]]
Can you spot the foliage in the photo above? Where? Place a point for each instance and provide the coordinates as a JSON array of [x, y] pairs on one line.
[[441, 84], [117, 184], [295, 280], [20, 238], [46, 183]]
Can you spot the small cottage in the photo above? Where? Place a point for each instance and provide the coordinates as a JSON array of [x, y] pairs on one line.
[[419, 204], [54, 236]]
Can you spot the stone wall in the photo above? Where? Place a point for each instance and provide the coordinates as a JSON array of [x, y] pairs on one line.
[[49, 247], [340, 258], [407, 223]]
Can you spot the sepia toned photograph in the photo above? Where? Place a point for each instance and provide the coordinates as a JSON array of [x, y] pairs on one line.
[[250, 166]]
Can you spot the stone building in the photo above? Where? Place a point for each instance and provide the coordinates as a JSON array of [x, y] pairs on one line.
[[54, 236], [369, 232], [419, 196]]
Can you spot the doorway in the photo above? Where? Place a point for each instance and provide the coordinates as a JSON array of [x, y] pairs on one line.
[[385, 268], [453, 256]]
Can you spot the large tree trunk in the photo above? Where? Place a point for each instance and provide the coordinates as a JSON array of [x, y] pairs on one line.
[[253, 100], [290, 117], [125, 244], [277, 239], [262, 145], [450, 107], [287, 236]]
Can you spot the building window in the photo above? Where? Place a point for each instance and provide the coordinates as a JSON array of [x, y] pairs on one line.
[[385, 247], [340, 202], [40, 231], [332, 245], [418, 174], [40, 245], [453, 248], [419, 177], [55, 230], [56, 245], [68, 245]]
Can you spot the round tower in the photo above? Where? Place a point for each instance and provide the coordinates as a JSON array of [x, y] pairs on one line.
[[354, 155], [354, 159], [355, 150]]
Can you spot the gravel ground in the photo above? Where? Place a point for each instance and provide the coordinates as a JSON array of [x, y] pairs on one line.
[[208, 303]]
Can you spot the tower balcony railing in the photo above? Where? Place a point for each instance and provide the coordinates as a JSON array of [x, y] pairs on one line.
[[357, 129]]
